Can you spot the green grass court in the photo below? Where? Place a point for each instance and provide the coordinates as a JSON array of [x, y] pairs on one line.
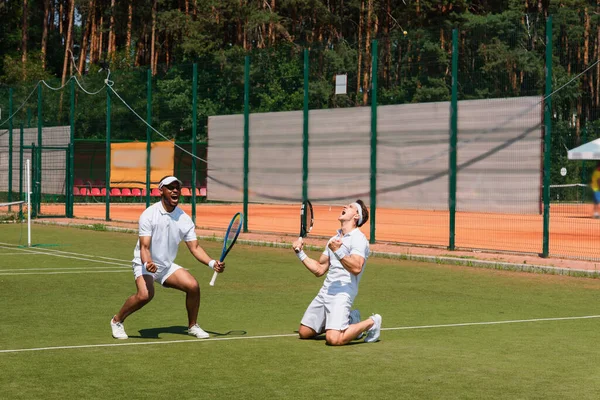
[[442, 336]]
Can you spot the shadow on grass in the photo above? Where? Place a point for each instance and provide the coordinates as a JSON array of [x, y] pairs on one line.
[[154, 333]]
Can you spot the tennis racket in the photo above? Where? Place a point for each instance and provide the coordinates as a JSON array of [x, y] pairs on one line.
[[233, 231], [306, 219]]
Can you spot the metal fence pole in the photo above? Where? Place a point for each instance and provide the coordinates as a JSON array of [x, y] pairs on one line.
[[453, 140], [547, 138], [194, 135], [107, 176], [71, 162], [148, 134], [246, 136], [10, 144], [38, 177], [373, 199], [305, 131]]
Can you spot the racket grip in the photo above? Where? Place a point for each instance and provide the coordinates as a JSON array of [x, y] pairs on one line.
[[297, 248], [214, 278]]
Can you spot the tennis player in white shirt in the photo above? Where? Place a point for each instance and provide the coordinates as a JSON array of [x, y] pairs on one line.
[[343, 261], [162, 227]]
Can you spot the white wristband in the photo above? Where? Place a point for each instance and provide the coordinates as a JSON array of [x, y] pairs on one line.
[[301, 255], [212, 263], [341, 253]]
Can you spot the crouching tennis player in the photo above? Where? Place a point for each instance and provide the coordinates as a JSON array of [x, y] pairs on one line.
[[344, 261], [162, 227]]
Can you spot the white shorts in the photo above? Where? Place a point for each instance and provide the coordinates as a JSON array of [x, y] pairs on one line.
[[159, 276], [328, 311]]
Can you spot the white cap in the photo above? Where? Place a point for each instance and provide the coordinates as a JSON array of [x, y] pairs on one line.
[[168, 180]]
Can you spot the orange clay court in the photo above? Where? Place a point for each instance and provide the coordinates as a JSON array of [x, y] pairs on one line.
[[573, 233]]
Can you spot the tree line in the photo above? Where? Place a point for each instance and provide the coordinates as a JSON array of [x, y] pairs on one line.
[[501, 47]]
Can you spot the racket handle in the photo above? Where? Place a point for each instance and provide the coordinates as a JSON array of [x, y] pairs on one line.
[[214, 278], [298, 248]]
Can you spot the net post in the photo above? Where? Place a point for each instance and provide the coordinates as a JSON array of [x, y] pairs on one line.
[[547, 138], [246, 135], [373, 191], [453, 140], [194, 135]]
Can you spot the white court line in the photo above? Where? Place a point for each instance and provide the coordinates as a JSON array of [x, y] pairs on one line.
[[95, 259], [88, 271], [91, 346], [49, 251], [16, 254], [51, 269]]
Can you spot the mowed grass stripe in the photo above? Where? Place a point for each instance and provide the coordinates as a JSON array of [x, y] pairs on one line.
[[263, 293]]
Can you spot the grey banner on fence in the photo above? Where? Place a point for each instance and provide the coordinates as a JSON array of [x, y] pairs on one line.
[[499, 156], [52, 161]]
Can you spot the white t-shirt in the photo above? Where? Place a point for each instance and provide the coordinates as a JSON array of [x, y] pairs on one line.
[[167, 231], [339, 279]]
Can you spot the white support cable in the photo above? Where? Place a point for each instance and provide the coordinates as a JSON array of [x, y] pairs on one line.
[[51, 88], [110, 86], [21, 106]]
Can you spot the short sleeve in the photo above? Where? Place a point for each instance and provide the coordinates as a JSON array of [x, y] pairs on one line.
[[145, 224], [360, 246], [188, 229]]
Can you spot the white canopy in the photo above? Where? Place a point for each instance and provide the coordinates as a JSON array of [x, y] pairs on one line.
[[588, 151]]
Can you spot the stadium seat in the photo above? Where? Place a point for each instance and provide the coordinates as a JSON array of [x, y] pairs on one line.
[[115, 192], [126, 192], [103, 191], [98, 183], [186, 191], [84, 191], [95, 192], [144, 192], [203, 191], [77, 182], [76, 191], [136, 192], [155, 192]]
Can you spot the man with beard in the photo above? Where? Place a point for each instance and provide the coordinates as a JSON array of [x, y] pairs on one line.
[[162, 227]]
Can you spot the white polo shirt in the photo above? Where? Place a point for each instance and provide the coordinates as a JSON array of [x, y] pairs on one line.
[[338, 279], [167, 231]]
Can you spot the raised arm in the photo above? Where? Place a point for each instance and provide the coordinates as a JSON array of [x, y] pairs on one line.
[[353, 263], [318, 268]]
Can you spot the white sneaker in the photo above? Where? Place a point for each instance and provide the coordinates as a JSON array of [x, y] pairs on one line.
[[118, 330], [198, 332], [355, 319], [375, 330]]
